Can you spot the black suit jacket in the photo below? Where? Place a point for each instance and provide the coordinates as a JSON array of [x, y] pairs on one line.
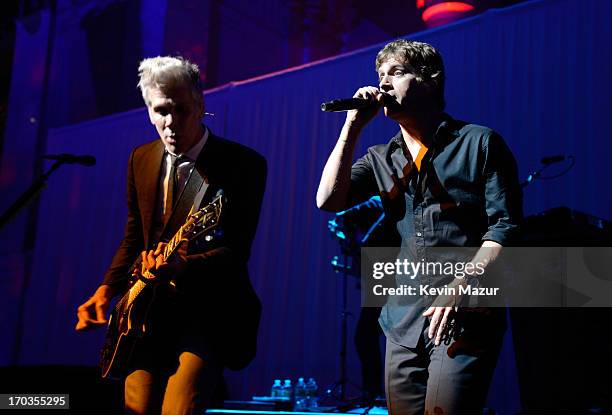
[[216, 284]]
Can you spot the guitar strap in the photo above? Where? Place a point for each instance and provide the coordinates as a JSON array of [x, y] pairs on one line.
[[184, 204]]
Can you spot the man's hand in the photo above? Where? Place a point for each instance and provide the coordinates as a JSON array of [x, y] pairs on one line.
[[441, 318], [359, 118], [445, 306], [442, 313], [154, 263], [92, 313]]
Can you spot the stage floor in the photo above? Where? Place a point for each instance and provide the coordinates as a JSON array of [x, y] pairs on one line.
[[371, 411]]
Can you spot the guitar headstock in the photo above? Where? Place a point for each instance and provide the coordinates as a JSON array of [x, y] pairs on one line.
[[204, 220]]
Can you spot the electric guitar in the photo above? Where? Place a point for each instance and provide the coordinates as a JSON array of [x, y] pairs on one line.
[[129, 320]]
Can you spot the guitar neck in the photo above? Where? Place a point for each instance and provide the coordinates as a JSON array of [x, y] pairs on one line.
[[139, 285], [174, 243], [205, 219]]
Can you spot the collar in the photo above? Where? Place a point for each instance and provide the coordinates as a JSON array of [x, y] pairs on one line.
[[447, 129], [445, 132]]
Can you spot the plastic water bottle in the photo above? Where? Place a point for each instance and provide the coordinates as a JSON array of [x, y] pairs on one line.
[[312, 391], [276, 389], [300, 395], [287, 389]]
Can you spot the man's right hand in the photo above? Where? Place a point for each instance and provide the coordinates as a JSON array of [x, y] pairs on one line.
[[92, 313], [359, 118]]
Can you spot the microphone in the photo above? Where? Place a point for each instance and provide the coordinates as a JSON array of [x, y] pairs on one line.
[[552, 159], [71, 159], [347, 104]]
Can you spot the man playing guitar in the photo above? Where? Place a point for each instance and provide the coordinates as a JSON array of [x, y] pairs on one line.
[[193, 327]]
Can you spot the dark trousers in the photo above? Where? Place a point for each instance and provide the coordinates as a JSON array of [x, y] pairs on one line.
[[442, 380]]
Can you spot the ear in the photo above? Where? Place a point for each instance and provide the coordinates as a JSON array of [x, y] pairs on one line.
[[151, 114], [202, 108]]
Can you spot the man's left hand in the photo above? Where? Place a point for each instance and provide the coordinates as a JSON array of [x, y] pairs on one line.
[[154, 264], [441, 318]]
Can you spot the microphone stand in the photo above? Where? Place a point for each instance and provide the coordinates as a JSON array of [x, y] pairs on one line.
[[28, 196], [533, 176], [538, 173], [338, 389]]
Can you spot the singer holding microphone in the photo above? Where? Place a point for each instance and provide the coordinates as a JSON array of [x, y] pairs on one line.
[[443, 182]]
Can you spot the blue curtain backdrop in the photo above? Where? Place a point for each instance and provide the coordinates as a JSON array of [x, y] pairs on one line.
[[539, 73]]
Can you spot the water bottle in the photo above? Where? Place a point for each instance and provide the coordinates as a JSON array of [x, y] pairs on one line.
[[312, 398], [276, 389], [300, 395], [287, 389]]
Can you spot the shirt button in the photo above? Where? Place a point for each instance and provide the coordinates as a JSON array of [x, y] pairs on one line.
[[419, 234]]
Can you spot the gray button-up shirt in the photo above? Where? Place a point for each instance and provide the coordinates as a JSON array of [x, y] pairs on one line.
[[467, 191]]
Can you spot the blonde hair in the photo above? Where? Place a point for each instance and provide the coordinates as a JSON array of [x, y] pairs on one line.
[[162, 71]]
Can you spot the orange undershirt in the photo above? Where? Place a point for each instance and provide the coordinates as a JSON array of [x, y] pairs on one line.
[[419, 157]]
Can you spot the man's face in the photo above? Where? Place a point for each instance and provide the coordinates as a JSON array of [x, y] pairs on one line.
[[176, 116], [410, 94]]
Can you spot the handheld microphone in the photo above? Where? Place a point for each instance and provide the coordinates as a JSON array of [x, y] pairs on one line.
[[347, 104], [72, 159]]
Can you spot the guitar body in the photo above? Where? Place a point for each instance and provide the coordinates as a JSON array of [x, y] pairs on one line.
[[127, 324], [130, 320]]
